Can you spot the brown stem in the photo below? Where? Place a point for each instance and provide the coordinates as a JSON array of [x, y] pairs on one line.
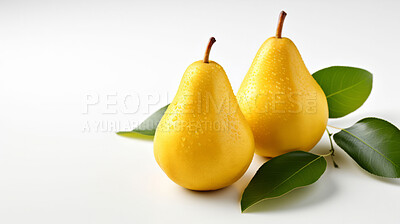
[[280, 24], [207, 54]]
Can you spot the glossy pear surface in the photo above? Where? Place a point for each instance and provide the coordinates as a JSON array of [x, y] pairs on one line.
[[285, 107], [203, 141]]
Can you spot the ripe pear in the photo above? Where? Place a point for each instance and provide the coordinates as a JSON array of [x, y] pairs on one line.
[[285, 107], [203, 141]]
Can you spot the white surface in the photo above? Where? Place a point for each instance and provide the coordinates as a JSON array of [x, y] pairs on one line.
[[53, 54]]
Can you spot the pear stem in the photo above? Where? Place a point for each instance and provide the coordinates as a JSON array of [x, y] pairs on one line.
[[280, 24], [207, 54], [332, 151]]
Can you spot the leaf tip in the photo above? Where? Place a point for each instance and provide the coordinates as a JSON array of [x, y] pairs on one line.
[[243, 206], [243, 209], [136, 135]]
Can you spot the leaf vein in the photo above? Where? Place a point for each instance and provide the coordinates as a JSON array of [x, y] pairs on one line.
[[372, 148]]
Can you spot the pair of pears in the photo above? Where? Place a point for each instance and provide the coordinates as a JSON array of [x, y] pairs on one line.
[[207, 137]]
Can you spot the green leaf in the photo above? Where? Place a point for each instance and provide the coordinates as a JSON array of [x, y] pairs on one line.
[[374, 144], [282, 174], [147, 127], [346, 88]]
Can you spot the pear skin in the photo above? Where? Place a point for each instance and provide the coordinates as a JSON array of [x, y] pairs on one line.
[[203, 141], [285, 107]]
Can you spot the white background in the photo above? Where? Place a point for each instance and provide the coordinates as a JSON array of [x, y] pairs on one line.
[[57, 166]]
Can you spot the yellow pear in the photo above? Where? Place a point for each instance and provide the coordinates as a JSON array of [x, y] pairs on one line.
[[203, 141], [285, 107]]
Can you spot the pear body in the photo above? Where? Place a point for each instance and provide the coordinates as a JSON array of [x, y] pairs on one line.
[[285, 107], [203, 141]]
